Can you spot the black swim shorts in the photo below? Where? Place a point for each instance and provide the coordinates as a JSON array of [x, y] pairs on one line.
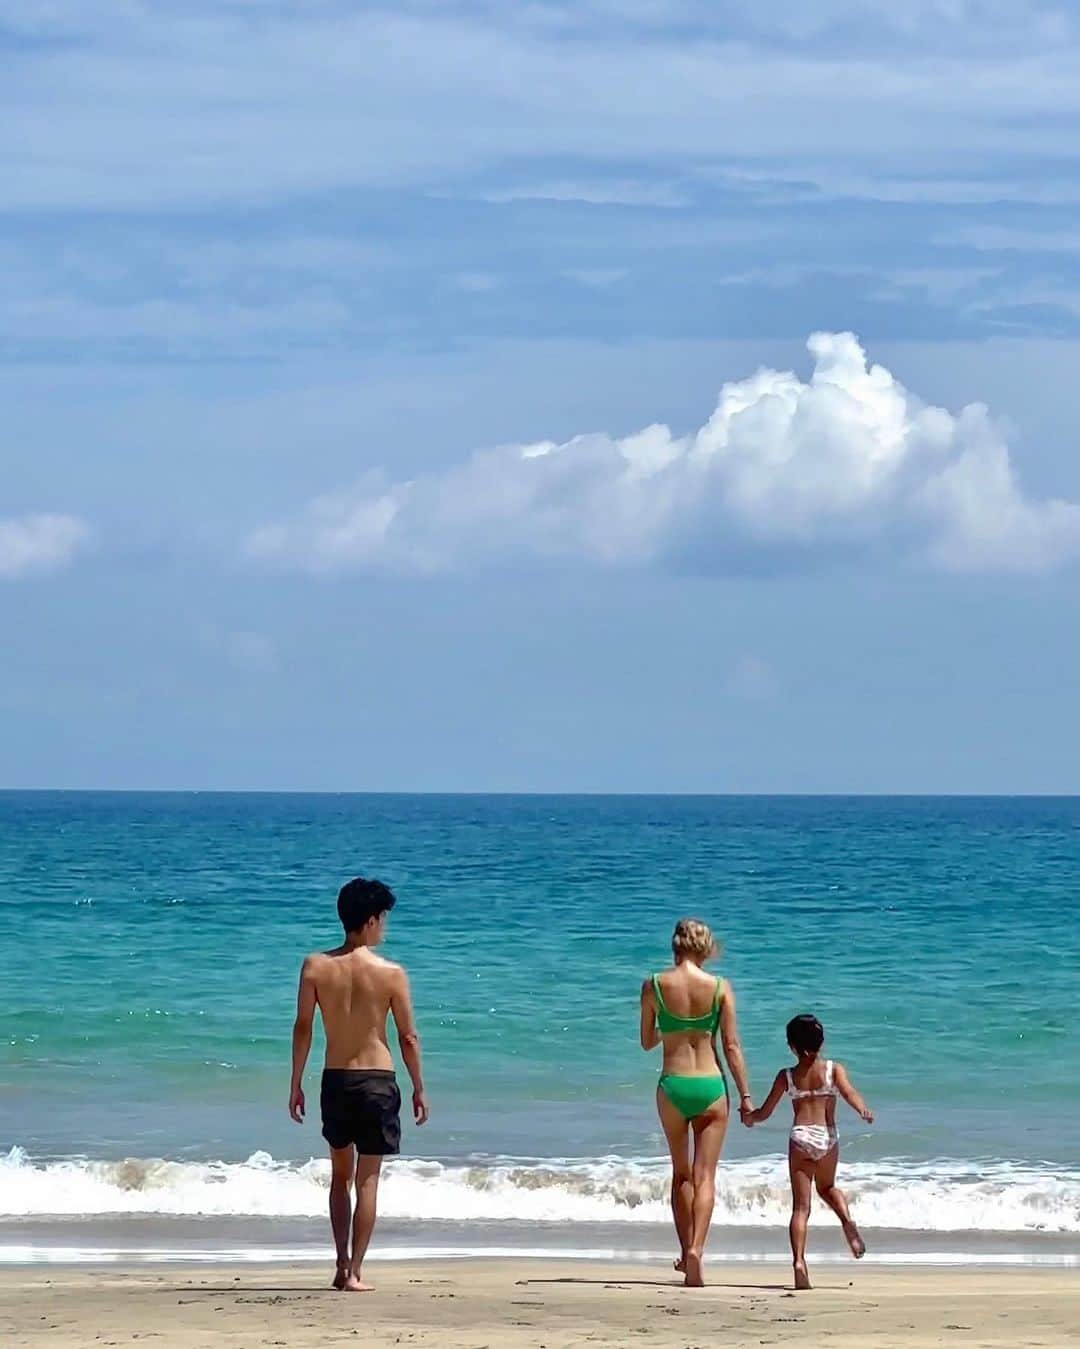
[[361, 1106]]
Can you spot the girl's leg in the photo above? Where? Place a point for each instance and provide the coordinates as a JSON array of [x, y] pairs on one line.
[[801, 1169], [676, 1129], [709, 1131], [827, 1187]]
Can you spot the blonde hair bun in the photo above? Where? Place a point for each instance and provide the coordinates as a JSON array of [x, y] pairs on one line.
[[692, 937]]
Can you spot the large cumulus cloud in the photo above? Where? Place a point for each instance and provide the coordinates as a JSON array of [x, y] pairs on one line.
[[848, 463]]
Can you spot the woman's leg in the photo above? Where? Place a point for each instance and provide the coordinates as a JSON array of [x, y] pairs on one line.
[[709, 1131], [801, 1169], [676, 1129], [825, 1178]]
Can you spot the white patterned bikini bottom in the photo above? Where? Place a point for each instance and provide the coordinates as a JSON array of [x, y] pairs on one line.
[[815, 1140]]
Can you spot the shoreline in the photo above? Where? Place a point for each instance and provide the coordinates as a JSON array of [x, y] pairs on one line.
[[154, 1240], [524, 1304]]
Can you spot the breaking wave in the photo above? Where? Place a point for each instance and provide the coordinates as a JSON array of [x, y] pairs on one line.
[[943, 1195]]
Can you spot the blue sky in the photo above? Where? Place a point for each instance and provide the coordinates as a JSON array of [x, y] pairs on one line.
[[383, 405]]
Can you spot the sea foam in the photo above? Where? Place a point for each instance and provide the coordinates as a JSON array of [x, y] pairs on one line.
[[939, 1196]]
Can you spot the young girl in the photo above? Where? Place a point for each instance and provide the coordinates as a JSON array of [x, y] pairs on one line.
[[813, 1148]]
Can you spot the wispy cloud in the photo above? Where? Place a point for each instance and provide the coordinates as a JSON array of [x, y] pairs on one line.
[[1012, 239], [784, 472], [39, 543], [217, 103], [601, 192]]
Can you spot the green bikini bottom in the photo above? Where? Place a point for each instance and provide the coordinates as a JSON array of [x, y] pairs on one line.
[[692, 1096]]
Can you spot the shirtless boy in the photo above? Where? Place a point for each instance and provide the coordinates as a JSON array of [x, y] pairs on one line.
[[356, 991]]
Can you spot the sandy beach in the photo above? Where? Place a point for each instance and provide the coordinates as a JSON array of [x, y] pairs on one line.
[[485, 1304]]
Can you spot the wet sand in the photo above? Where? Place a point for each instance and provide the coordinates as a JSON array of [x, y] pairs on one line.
[[514, 1304]]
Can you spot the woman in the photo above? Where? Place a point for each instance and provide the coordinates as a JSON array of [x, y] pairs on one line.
[[682, 1008]]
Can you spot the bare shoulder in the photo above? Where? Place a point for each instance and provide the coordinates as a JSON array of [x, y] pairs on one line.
[[392, 972]]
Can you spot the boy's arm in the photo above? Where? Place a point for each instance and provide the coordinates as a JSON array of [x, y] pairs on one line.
[[401, 1009], [306, 1001], [729, 1038], [650, 1036], [776, 1093], [848, 1092]]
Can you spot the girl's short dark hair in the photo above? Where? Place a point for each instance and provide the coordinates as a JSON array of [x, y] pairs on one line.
[[805, 1033], [360, 900]]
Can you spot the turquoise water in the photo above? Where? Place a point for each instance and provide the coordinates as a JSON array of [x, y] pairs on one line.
[[149, 948]]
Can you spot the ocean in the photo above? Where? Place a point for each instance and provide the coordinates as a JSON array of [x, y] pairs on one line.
[[149, 952]]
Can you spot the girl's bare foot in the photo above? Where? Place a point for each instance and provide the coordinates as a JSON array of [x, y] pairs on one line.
[[339, 1278], [854, 1240], [802, 1277], [695, 1277], [353, 1284]]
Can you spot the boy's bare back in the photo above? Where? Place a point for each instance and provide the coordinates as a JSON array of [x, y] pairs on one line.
[[356, 991]]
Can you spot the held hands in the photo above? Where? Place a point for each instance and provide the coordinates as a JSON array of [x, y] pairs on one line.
[[420, 1106], [747, 1112], [867, 1114], [297, 1104]]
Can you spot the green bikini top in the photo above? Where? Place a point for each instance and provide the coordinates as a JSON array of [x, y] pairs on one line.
[[668, 1022]]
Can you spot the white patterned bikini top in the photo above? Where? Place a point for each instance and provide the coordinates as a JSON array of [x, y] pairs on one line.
[[829, 1088]]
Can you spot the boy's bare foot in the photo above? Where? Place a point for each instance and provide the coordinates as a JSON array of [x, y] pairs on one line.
[[695, 1277], [353, 1284], [854, 1240], [802, 1277], [340, 1276]]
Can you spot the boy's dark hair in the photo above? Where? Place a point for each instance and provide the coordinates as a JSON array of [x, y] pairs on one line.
[[805, 1033], [360, 900]]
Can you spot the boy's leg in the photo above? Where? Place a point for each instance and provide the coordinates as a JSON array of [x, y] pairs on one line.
[[367, 1191], [342, 1164], [801, 1169], [834, 1197], [709, 1130], [677, 1132]]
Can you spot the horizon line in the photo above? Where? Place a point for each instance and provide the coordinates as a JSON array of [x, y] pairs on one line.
[[540, 795]]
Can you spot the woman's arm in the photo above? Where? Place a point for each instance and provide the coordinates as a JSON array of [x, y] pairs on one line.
[[650, 1036], [729, 1038], [848, 1092], [765, 1109]]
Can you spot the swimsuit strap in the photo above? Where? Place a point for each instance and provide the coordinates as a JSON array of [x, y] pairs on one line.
[[669, 1022]]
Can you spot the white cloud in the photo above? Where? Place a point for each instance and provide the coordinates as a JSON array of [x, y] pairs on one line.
[[39, 543], [847, 463]]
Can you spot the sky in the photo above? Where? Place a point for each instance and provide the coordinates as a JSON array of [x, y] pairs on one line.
[[593, 396]]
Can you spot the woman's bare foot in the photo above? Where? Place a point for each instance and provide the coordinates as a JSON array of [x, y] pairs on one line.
[[695, 1277], [802, 1276], [680, 1264], [854, 1240], [353, 1284]]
